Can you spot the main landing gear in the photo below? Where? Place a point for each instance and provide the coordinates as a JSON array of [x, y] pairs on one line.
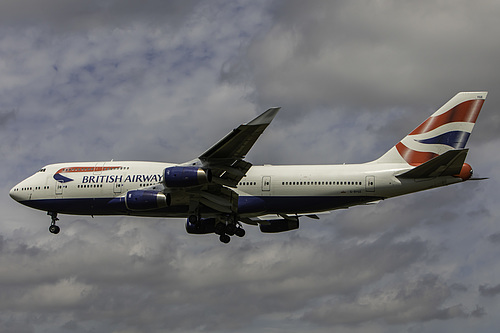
[[223, 225], [225, 231], [53, 227]]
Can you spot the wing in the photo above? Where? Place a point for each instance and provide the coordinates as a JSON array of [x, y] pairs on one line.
[[225, 158]]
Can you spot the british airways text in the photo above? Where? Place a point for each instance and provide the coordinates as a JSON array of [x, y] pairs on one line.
[[122, 179]]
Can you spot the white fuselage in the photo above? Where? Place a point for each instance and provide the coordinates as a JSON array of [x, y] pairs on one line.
[[86, 188]]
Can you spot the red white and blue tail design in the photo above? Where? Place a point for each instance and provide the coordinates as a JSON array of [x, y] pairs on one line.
[[446, 129]]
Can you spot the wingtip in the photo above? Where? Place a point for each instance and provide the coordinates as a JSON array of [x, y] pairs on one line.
[[266, 117]]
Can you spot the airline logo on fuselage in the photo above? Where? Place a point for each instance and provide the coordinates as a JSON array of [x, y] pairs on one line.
[[122, 179], [104, 178]]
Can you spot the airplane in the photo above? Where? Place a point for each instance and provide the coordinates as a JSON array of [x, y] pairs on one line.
[[220, 190]]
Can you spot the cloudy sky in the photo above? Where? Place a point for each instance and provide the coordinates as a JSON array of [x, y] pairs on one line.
[[163, 80]]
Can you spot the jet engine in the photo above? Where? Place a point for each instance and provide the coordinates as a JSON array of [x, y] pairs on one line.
[[145, 200], [273, 226], [186, 176], [203, 226]]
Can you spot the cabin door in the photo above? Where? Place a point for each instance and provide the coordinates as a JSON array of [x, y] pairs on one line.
[[370, 183], [266, 183]]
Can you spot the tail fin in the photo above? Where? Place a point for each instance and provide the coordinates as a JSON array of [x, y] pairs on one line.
[[446, 129]]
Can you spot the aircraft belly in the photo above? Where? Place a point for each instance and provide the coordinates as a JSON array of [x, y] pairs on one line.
[[298, 204], [246, 205]]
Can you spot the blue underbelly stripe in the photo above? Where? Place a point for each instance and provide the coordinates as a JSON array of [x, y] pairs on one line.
[[246, 205]]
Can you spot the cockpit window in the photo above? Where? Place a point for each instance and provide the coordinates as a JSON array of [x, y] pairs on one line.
[[42, 170]]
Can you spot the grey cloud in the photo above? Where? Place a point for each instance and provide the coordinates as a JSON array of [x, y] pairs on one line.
[[83, 15], [494, 238], [358, 54], [110, 89], [143, 85], [391, 216], [121, 275], [489, 291], [478, 312], [417, 301], [6, 116]]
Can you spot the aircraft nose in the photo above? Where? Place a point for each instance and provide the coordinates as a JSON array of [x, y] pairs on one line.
[[14, 193]]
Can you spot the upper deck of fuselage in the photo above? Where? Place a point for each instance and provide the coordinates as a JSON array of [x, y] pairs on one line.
[[75, 179]]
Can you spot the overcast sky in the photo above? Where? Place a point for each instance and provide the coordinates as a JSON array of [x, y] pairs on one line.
[[163, 80]]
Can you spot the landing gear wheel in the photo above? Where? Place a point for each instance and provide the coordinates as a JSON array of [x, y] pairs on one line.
[[220, 229], [54, 229], [240, 232], [230, 229], [224, 238]]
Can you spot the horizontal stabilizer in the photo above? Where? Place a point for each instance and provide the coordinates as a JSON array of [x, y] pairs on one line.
[[447, 164]]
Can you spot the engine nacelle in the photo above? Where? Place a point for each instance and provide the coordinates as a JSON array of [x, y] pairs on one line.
[[203, 226], [138, 200], [273, 226], [179, 176]]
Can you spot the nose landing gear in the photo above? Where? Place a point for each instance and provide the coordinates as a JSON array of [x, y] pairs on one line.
[[53, 227]]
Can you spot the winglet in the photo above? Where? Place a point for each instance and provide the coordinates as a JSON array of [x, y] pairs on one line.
[[266, 117]]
